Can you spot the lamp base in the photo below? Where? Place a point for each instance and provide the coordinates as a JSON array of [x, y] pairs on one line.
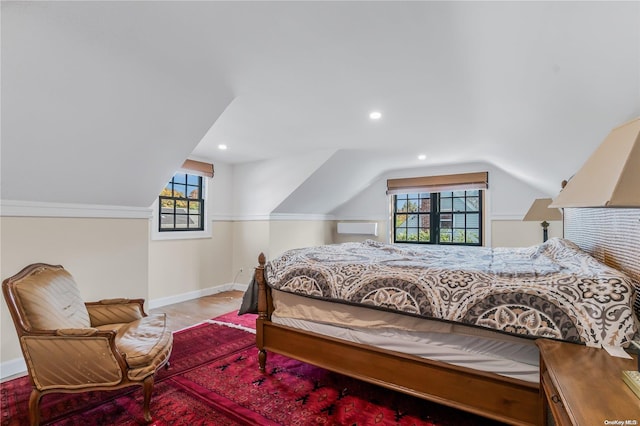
[[545, 232]]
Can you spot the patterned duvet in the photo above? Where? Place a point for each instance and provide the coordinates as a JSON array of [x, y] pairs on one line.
[[552, 290]]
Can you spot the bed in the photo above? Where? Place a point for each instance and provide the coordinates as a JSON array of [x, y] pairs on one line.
[[369, 310]]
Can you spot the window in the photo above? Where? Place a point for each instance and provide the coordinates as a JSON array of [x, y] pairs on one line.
[[438, 209], [181, 204], [412, 217], [450, 217]]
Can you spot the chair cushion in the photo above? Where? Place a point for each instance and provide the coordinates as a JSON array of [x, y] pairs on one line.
[[144, 340], [111, 312], [51, 300]]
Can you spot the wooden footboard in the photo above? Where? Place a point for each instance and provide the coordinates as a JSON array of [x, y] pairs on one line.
[[502, 398]]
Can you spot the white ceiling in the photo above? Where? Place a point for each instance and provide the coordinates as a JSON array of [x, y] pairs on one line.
[[530, 87]]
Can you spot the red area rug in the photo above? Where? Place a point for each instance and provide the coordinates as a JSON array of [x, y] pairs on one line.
[[214, 380]]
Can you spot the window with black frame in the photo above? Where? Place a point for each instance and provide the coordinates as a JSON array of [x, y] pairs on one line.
[[181, 204], [442, 209], [449, 217]]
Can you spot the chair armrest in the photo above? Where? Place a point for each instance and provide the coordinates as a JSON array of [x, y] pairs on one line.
[[81, 332], [115, 311], [74, 359]]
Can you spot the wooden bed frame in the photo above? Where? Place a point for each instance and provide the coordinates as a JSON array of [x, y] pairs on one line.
[[610, 235], [487, 394]]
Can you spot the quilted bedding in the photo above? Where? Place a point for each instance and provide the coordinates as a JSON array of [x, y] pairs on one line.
[[552, 290]]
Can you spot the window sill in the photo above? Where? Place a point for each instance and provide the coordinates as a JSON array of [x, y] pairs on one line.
[[180, 235]]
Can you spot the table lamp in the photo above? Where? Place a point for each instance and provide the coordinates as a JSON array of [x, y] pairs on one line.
[[540, 211]]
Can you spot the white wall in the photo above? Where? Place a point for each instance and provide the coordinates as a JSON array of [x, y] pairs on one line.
[[220, 192], [507, 199], [259, 187], [79, 100], [506, 196]]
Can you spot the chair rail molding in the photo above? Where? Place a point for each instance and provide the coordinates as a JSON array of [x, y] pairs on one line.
[[17, 208]]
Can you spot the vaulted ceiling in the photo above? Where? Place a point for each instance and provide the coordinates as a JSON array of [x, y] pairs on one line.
[[102, 101]]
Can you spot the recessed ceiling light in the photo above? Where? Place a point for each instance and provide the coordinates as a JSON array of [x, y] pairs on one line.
[[222, 147], [375, 115], [422, 157]]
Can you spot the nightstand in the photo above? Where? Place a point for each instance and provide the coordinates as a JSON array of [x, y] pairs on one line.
[[583, 386]]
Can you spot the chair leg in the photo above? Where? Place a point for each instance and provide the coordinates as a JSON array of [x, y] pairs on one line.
[[34, 407], [147, 389]]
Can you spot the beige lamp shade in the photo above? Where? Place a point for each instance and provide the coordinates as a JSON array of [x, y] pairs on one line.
[[611, 176], [540, 211]]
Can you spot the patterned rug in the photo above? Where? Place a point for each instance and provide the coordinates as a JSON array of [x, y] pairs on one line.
[[214, 380]]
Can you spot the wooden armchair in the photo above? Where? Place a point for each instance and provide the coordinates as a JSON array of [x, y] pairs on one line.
[[72, 346]]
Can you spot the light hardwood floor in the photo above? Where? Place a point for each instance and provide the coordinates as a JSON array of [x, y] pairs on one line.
[[185, 314]]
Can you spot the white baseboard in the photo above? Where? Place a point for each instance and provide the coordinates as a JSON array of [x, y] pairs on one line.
[[19, 367], [170, 300], [15, 367]]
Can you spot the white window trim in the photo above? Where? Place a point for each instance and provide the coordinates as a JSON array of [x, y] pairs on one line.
[[182, 235]]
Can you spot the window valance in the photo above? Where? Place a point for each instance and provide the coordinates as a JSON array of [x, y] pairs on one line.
[[199, 168], [460, 181]]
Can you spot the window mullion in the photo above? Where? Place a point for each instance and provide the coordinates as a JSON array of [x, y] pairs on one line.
[[435, 218]]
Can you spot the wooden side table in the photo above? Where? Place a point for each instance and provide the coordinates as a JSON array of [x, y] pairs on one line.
[[583, 386]]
